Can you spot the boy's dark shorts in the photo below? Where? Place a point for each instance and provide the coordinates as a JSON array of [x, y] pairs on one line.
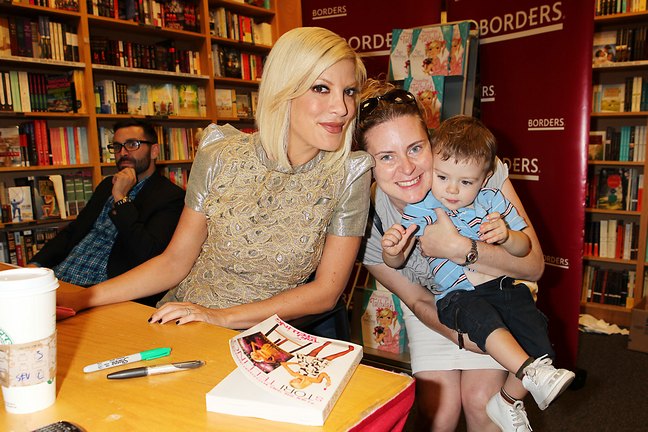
[[497, 304]]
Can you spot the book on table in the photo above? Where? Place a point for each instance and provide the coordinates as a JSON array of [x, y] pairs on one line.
[[284, 374]]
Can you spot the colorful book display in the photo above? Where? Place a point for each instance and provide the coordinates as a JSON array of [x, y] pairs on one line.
[[284, 374], [381, 320]]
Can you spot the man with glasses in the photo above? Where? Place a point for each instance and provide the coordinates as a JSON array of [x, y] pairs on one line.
[[130, 218]]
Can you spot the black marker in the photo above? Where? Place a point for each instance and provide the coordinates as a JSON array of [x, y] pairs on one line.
[[155, 370]]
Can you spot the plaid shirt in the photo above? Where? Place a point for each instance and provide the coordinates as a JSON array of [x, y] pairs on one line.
[[87, 263]]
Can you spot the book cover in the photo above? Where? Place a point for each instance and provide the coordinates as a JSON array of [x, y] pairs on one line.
[[399, 61], [243, 105], [604, 48], [188, 100], [163, 100], [430, 51], [429, 92], [610, 191], [254, 100], [45, 202], [225, 102], [612, 97], [231, 62], [596, 145], [382, 322], [10, 147], [21, 203], [59, 94], [284, 374], [457, 60]]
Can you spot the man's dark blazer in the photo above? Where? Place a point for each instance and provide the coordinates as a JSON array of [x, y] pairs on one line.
[[144, 226]]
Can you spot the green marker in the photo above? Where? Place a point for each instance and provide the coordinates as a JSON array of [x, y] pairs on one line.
[[120, 361]]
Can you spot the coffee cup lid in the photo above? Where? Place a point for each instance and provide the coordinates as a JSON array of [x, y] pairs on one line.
[[26, 281]]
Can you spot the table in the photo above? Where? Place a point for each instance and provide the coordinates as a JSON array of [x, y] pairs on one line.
[[374, 399]]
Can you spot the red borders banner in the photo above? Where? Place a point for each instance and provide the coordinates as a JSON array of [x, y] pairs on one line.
[[535, 61], [367, 24]]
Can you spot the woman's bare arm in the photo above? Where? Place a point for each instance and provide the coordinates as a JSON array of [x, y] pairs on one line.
[[158, 274], [318, 296]]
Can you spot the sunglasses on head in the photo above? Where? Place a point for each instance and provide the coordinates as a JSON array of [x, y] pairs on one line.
[[396, 96]]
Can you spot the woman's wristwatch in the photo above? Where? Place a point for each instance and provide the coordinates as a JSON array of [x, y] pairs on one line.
[[472, 255]]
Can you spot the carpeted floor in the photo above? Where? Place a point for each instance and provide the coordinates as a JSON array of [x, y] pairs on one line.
[[614, 395]]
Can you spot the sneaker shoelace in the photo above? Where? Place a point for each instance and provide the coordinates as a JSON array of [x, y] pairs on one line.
[[519, 415], [540, 362]]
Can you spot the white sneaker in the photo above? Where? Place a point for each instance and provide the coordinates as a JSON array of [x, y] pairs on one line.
[[545, 382], [509, 418]]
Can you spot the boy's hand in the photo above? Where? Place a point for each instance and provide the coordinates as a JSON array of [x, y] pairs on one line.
[[396, 238], [494, 230]]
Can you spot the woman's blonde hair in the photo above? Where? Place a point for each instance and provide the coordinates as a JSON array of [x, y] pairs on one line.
[[296, 60]]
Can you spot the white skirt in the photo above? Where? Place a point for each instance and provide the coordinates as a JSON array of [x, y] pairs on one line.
[[429, 351]]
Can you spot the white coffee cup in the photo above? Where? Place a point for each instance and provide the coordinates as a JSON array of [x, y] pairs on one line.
[[28, 339]]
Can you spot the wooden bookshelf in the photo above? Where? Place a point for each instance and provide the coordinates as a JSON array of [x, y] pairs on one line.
[[89, 28], [613, 73]]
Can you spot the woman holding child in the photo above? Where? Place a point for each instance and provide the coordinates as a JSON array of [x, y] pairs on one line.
[[391, 129]]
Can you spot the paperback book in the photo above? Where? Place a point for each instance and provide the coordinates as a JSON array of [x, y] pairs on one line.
[[284, 374], [21, 203]]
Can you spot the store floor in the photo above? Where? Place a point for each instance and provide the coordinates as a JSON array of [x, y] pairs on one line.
[[613, 397]]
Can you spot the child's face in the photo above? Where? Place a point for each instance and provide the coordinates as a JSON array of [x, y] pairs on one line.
[[456, 183]]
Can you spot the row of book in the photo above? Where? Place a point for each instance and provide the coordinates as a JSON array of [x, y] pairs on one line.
[[161, 56], [612, 188], [34, 143], [624, 44], [612, 7], [626, 144], [40, 37], [175, 143], [230, 25], [37, 198], [163, 100], [17, 247], [629, 96], [22, 91], [231, 62], [173, 14], [232, 104], [178, 175], [611, 238], [609, 286], [69, 5]]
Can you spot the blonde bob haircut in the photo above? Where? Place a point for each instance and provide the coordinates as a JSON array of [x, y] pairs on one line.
[[296, 60]]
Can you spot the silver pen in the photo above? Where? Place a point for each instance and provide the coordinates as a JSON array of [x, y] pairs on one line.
[[155, 370]]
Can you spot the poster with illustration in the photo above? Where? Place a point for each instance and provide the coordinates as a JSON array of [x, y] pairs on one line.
[[382, 322], [429, 92], [457, 61], [430, 51], [399, 62]]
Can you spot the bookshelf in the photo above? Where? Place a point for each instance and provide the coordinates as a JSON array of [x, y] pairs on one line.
[[616, 209], [99, 44]]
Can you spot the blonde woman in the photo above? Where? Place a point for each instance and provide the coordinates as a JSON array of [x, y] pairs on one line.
[[265, 211]]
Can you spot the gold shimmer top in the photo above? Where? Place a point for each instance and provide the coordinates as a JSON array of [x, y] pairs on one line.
[[266, 226]]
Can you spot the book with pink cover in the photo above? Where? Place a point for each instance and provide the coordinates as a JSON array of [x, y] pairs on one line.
[[284, 374]]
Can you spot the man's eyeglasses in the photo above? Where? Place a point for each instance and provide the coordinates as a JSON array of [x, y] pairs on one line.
[[396, 96], [130, 145]]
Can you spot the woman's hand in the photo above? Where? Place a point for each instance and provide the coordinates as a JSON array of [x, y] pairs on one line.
[[442, 240], [183, 313], [73, 300]]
